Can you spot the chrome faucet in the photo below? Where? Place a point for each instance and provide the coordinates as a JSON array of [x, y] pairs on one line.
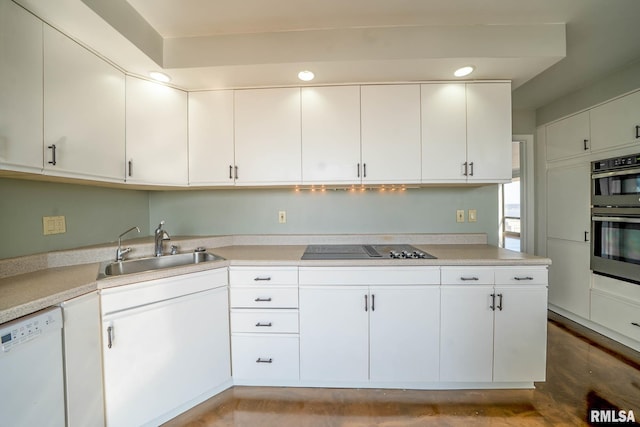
[[120, 253], [160, 236]]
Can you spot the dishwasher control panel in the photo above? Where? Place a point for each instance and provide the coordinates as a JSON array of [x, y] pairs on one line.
[[23, 330]]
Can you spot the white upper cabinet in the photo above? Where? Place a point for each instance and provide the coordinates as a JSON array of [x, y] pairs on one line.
[[616, 123], [330, 134], [466, 132], [211, 138], [568, 137], [568, 202], [156, 132], [489, 132], [390, 117], [84, 102], [444, 132], [267, 136], [20, 89]]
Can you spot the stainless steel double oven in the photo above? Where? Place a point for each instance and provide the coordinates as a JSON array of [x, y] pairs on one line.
[[615, 217]]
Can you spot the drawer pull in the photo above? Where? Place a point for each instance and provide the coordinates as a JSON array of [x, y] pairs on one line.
[[636, 324], [261, 360], [263, 325], [262, 299], [500, 302], [468, 278], [262, 279], [523, 278]]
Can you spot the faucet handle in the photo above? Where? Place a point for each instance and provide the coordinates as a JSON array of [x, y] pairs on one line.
[[174, 249]]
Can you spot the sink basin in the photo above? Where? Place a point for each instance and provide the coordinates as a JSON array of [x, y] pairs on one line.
[[118, 268]]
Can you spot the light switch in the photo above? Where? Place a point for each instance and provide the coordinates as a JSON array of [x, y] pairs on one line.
[[460, 215], [282, 217], [53, 225], [473, 215]]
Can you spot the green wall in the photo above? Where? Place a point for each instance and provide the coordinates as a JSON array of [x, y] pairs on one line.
[[93, 215], [250, 211]]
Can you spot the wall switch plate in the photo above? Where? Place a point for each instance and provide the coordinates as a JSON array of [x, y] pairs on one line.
[[282, 217], [53, 225], [460, 215], [473, 215]]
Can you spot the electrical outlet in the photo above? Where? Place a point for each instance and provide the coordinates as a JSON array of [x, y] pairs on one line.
[[460, 215], [53, 225], [282, 217], [473, 215]]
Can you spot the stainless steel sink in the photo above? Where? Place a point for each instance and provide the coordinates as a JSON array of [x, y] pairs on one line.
[[118, 268]]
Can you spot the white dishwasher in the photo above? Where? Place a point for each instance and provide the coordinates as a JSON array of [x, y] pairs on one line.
[[31, 371]]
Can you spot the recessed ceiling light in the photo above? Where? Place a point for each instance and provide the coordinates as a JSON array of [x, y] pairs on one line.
[[306, 76], [158, 76], [464, 71]]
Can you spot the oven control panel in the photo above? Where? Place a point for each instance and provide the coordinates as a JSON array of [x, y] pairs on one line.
[[616, 163]]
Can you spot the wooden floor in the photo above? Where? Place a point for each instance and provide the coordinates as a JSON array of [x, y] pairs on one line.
[[580, 375]]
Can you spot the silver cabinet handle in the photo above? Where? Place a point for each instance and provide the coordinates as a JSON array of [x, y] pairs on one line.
[[230, 172], [261, 360], [523, 278], [236, 174], [493, 302], [500, 302], [262, 299], [471, 167], [358, 169], [366, 302], [263, 325], [465, 165], [52, 147], [373, 302], [364, 170], [109, 336], [465, 279], [262, 279], [130, 168]]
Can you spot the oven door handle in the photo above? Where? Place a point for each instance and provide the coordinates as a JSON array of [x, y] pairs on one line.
[[615, 173], [616, 219]]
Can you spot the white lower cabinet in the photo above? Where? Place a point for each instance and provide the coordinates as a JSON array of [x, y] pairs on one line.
[[165, 346], [352, 332], [492, 330], [264, 325]]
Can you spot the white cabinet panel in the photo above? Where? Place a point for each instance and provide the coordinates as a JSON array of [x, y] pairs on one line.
[[211, 138], [444, 132], [267, 136], [466, 331], [520, 333], [568, 137], [265, 357], [467, 275], [334, 333], [156, 132], [521, 275], [568, 202], [84, 112], [264, 297], [281, 321], [489, 132], [391, 147], [569, 275], [264, 276], [616, 123], [404, 331], [20, 89], [618, 314], [330, 134]]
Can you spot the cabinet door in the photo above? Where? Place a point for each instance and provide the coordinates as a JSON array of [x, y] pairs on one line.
[[330, 134], [20, 89], [156, 132], [489, 132], [616, 123], [569, 275], [334, 333], [568, 137], [568, 201], [84, 101], [404, 333], [444, 132], [267, 136], [466, 331], [211, 138], [520, 333], [162, 356], [391, 148]]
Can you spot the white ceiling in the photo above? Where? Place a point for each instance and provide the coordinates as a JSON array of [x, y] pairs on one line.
[[206, 44]]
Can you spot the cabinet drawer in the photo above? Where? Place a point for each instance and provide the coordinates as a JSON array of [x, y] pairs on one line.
[[467, 275], [264, 321], [406, 275], [261, 297], [265, 357], [616, 314], [251, 276], [521, 275]]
